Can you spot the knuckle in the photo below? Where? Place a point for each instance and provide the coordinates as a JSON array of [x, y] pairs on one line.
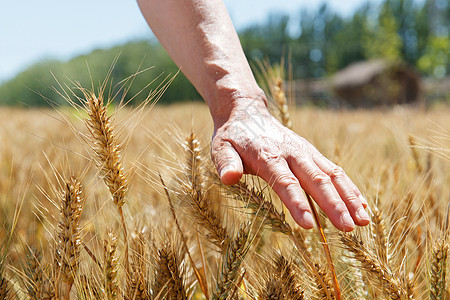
[[286, 181], [272, 161], [340, 207], [353, 201], [320, 179], [337, 173], [271, 158]]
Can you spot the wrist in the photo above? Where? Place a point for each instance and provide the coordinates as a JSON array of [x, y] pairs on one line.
[[224, 110], [224, 102]]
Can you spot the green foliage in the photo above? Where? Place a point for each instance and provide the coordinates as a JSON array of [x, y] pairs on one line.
[[436, 59], [38, 85], [383, 41]]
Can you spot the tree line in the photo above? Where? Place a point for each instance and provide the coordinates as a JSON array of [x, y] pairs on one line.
[[319, 44]]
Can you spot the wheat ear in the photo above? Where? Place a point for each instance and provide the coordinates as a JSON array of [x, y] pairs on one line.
[[168, 283], [280, 99], [231, 263], [109, 155], [137, 283], [289, 279], [88, 288], [37, 283], [33, 274], [255, 201], [106, 147], [5, 288], [199, 205], [68, 238], [390, 282], [272, 289], [201, 276], [413, 145], [110, 266], [379, 235], [438, 270]]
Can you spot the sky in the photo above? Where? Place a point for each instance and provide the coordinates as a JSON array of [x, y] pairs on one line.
[[32, 31]]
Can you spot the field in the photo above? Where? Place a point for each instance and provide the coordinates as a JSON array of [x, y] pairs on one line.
[[85, 214]]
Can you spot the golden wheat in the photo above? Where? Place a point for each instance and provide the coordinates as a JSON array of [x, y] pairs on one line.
[[233, 241]]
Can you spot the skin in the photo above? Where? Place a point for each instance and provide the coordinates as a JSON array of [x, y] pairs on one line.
[[201, 39]]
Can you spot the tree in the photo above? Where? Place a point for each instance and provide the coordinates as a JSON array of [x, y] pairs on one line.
[[383, 41], [436, 59]]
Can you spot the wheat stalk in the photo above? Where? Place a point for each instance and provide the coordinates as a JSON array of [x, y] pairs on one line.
[[337, 290]]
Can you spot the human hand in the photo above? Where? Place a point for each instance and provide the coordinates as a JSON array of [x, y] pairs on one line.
[[251, 140]]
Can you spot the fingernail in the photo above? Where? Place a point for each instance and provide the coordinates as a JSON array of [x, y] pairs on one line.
[[347, 221], [362, 215], [225, 169], [363, 200], [308, 219]]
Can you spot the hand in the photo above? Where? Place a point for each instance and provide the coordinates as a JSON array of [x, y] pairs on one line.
[[251, 140]]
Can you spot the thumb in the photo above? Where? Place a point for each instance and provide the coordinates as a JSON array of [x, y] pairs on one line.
[[228, 163]]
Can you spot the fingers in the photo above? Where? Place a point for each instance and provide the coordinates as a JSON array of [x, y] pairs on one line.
[[329, 187], [227, 162], [287, 187], [316, 183], [346, 188]]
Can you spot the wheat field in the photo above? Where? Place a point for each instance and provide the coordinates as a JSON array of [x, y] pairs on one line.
[[106, 202]]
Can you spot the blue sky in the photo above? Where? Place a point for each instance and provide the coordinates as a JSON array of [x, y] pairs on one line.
[[31, 30]]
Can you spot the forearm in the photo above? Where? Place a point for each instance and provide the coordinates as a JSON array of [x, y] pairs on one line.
[[200, 38]]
